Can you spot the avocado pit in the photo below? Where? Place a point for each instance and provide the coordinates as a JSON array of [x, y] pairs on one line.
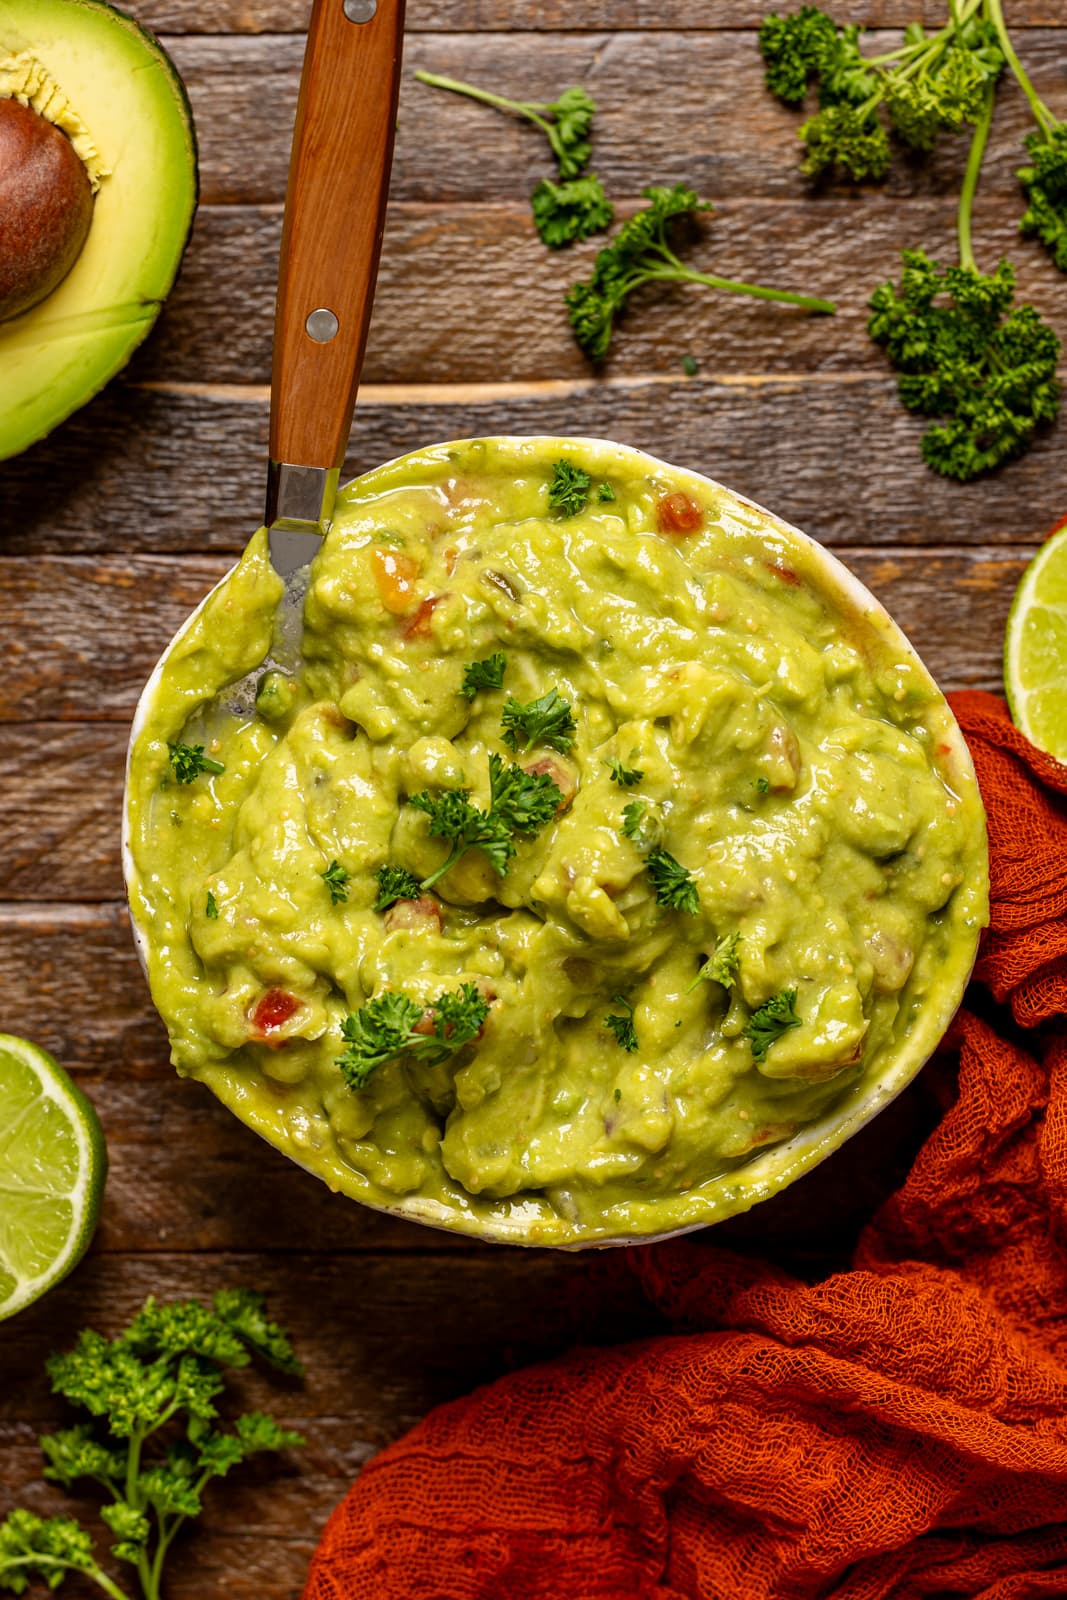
[[46, 207]]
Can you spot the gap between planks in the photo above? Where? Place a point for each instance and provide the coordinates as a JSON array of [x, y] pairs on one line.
[[450, 394]]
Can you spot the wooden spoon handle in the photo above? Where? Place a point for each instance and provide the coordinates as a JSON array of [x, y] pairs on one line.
[[334, 218]]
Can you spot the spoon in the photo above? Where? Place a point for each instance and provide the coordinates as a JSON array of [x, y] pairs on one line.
[[331, 241]]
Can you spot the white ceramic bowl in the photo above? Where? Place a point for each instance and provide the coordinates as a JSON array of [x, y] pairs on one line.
[[775, 1166]]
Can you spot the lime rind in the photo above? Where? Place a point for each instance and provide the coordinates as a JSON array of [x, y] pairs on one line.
[[1035, 649], [53, 1162]]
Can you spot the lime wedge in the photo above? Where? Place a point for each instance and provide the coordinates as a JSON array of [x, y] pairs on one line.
[[53, 1162], [1035, 649]]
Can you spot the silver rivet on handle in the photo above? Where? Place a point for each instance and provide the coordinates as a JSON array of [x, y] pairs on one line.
[[360, 10], [321, 325]]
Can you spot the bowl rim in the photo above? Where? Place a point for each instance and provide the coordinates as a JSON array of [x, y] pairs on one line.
[[776, 1166]]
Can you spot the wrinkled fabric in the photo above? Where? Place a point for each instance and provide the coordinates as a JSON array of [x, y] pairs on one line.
[[897, 1431]]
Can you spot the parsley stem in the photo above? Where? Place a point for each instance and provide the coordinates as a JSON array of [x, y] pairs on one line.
[[995, 13], [970, 180], [677, 269], [449, 861], [435, 81]]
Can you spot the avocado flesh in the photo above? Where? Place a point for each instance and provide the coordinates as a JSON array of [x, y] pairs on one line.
[[57, 355]]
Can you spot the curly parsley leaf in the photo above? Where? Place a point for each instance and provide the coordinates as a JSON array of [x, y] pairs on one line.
[[723, 965], [46, 1548], [625, 777], [566, 212], [394, 883], [393, 1024], [336, 878], [1044, 182], [966, 355], [773, 1019], [632, 815], [568, 489], [641, 252], [188, 761], [794, 48], [674, 886], [622, 1026], [605, 493], [545, 721], [519, 803], [485, 674]]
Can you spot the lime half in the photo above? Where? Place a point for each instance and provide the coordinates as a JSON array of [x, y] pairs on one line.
[[53, 1162], [1035, 649]]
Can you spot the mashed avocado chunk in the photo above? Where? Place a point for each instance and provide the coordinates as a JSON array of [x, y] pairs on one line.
[[597, 867]]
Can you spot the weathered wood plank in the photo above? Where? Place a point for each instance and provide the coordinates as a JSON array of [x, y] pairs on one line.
[[440, 261], [381, 1340], [107, 620], [834, 453], [61, 810], [560, 16], [717, 128]]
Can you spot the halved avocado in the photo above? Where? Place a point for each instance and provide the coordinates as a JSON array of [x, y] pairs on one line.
[[111, 80]]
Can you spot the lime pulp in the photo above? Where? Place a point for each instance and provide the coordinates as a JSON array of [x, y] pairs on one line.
[[53, 1162]]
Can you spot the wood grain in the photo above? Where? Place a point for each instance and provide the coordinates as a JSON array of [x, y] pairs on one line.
[[448, 260], [561, 16], [107, 621], [725, 143], [834, 453]]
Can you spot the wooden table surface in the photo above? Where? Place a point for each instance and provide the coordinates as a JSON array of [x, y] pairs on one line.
[[111, 531]]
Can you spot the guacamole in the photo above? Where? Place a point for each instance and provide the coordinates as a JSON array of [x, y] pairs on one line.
[[716, 854]]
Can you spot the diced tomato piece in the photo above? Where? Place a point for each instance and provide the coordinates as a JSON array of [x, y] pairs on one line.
[[395, 574], [274, 1009], [786, 574], [422, 913], [678, 513], [419, 626]]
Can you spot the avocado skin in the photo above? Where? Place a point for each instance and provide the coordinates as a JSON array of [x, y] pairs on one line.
[[46, 206], [58, 354]]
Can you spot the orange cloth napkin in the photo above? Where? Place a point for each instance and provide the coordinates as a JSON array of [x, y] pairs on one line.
[[898, 1430]]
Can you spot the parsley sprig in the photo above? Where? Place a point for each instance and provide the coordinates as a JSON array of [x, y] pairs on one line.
[[393, 1024], [625, 777], [154, 1443], [983, 368], [548, 720], [577, 206], [724, 963], [336, 878], [395, 883], [929, 85], [773, 1019], [519, 803], [641, 252], [568, 489], [485, 674], [188, 761], [674, 885], [622, 1024], [964, 354]]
